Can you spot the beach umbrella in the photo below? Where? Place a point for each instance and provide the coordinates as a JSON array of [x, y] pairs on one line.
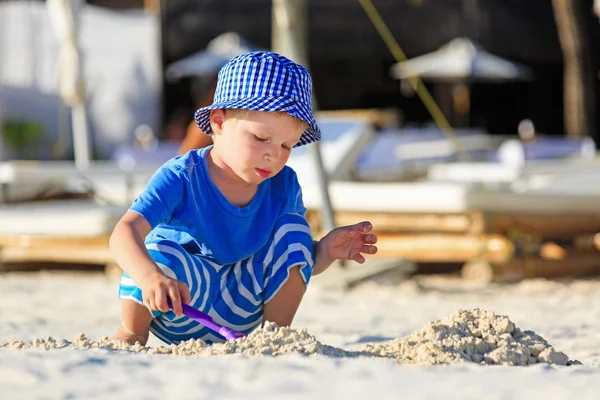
[[208, 61], [460, 63], [65, 18], [461, 59]]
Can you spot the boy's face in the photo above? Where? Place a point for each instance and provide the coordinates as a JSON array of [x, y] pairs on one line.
[[255, 145]]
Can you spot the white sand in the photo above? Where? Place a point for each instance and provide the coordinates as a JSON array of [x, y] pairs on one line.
[[471, 336], [566, 315]]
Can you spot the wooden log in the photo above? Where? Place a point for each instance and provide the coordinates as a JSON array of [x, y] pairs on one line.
[[41, 241], [60, 249], [550, 226], [574, 265], [415, 222], [561, 226], [559, 249], [444, 247], [552, 251], [71, 255], [587, 242], [503, 202], [478, 270]]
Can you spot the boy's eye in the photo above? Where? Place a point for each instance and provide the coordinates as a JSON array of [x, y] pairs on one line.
[[259, 138], [286, 147]]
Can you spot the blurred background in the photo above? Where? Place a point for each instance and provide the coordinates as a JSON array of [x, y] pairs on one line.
[[465, 130]]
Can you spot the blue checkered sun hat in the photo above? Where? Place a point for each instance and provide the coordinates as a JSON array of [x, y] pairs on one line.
[[264, 81]]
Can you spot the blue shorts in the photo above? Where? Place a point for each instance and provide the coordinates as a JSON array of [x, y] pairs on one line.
[[233, 295]]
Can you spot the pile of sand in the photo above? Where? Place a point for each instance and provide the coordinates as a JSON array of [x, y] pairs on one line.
[[465, 336], [269, 340], [478, 336]]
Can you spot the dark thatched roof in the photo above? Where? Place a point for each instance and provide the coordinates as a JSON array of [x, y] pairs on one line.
[[340, 29], [350, 62]]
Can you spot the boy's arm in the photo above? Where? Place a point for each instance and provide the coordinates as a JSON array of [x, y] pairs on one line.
[[344, 243], [322, 260], [127, 245]]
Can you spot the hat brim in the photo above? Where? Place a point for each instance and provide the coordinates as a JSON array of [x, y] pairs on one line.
[[269, 104]]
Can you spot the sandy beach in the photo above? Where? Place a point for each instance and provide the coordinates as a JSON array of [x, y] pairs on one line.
[[64, 304]]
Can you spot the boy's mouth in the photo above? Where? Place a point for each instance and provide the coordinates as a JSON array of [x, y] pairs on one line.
[[263, 173]]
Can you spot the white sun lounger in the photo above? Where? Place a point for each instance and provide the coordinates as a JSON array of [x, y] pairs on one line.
[[63, 231], [342, 142], [434, 197], [23, 180], [65, 218], [343, 139]]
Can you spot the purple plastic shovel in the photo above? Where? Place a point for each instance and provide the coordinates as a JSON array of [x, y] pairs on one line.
[[208, 322]]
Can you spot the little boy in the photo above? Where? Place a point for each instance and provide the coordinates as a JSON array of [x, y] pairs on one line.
[[223, 228]]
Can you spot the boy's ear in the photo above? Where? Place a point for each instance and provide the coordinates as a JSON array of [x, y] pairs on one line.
[[217, 119]]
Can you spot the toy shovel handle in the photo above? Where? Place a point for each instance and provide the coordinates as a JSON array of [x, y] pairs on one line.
[[207, 321]]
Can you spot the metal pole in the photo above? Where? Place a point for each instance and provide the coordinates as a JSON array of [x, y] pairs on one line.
[[81, 140], [289, 37], [81, 143]]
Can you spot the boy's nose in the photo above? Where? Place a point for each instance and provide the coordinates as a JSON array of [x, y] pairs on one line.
[[272, 154]]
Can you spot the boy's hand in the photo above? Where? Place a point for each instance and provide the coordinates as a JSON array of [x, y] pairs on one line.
[[348, 242], [158, 288]]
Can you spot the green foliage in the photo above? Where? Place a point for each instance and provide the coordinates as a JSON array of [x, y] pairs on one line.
[[25, 137]]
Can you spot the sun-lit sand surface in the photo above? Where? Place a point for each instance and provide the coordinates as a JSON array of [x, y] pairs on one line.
[[354, 330]]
